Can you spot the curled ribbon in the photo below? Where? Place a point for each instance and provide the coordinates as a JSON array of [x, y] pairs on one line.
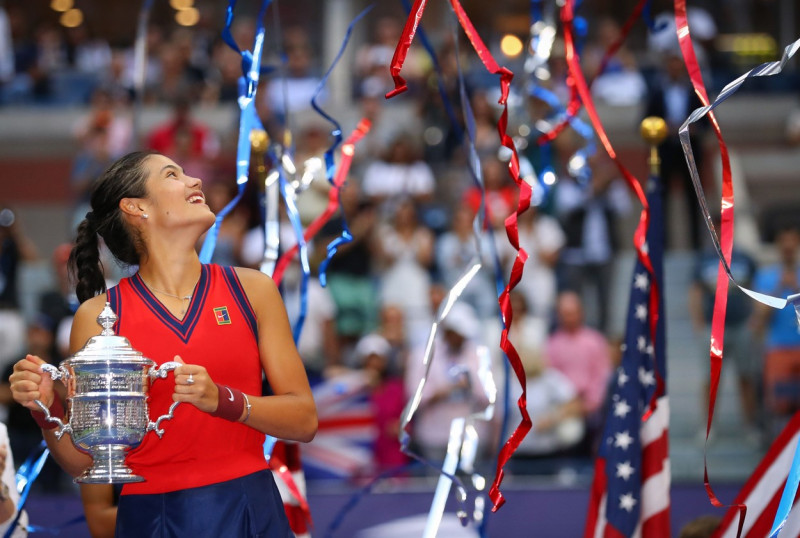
[[640, 234], [511, 222], [248, 119], [348, 150], [26, 475], [723, 244]]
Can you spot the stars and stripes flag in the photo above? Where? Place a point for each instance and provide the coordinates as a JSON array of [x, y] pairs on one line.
[[630, 491], [762, 491]]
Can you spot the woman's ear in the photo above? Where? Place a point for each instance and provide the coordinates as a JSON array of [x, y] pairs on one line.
[[133, 207]]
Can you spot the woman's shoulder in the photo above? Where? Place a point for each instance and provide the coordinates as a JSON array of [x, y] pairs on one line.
[[254, 282]]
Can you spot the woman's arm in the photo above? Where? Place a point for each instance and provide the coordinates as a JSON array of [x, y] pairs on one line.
[[28, 383], [290, 413], [100, 509]]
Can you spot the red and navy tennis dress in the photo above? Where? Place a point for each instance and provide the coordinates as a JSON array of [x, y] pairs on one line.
[[206, 476]]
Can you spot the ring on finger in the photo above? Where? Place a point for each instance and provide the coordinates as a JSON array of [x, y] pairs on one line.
[[190, 381]]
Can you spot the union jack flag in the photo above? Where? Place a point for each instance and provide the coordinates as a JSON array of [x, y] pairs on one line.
[[342, 447], [630, 492]]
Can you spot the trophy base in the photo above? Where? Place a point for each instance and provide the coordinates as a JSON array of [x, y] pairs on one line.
[[108, 467]]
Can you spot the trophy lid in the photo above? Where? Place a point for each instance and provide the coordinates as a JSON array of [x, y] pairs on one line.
[[108, 346]]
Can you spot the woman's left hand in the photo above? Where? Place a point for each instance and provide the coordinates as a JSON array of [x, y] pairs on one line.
[[193, 385]]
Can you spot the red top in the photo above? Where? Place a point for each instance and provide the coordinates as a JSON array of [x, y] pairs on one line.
[[219, 332]]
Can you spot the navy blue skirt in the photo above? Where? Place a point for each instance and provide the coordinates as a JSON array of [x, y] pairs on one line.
[[249, 506]]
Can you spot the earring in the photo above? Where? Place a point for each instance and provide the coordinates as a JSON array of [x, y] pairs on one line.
[[145, 216]]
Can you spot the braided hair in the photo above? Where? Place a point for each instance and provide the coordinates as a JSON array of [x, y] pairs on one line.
[[124, 179]]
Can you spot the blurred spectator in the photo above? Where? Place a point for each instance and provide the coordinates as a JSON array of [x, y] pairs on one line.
[[24, 433], [738, 343], [154, 42], [701, 527], [292, 93], [620, 83], [672, 98], [778, 328], [499, 191], [186, 140], [15, 248], [179, 78], [454, 250], [452, 389], [349, 272], [87, 53], [401, 173], [60, 302], [404, 255], [589, 214], [582, 355], [222, 80], [387, 399], [318, 344], [393, 329], [373, 58]]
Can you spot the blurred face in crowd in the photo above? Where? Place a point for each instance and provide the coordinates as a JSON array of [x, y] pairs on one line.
[[788, 241], [570, 311]]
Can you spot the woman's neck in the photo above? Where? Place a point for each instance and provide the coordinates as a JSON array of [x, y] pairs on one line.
[[175, 271]]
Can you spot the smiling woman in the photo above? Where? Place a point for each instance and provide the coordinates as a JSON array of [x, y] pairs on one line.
[[207, 475]]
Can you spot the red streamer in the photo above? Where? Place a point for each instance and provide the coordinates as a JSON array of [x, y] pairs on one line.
[[348, 150], [511, 222], [639, 237], [726, 243], [574, 103], [283, 456]]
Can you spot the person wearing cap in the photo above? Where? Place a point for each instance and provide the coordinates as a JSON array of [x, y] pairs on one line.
[[387, 399], [452, 387]]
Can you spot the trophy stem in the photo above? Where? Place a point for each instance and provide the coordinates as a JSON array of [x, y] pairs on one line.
[[108, 467]]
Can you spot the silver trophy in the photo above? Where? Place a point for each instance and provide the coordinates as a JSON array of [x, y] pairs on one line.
[[107, 388]]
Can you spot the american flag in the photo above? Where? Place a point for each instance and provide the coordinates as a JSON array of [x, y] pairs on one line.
[[630, 492], [762, 491]]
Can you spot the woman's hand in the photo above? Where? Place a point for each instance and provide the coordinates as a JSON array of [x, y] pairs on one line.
[[29, 383], [193, 385]]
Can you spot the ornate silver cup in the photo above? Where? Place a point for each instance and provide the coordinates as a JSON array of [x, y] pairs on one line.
[[107, 388]]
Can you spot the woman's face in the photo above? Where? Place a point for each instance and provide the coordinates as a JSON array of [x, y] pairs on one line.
[[174, 198]]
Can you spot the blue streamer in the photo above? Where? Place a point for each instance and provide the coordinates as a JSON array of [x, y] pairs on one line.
[[25, 476], [330, 166], [287, 191], [787, 497], [248, 119]]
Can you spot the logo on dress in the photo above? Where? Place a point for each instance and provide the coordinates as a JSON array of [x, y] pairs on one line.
[[222, 316]]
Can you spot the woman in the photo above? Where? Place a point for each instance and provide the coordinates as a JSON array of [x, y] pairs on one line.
[[207, 476]]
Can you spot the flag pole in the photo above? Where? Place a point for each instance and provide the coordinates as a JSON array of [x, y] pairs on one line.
[[654, 130]]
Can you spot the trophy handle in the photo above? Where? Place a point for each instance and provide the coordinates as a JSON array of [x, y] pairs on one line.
[[160, 372], [156, 426], [56, 374], [62, 428]]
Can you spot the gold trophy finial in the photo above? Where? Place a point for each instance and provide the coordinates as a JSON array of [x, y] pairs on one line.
[[654, 130], [259, 140]]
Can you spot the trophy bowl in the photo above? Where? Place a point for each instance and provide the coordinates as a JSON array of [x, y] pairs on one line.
[[108, 383]]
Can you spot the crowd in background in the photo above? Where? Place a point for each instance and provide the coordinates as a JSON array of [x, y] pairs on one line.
[[409, 204]]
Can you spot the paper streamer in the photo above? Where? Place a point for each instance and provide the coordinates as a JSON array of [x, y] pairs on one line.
[[337, 180], [348, 151], [640, 234], [723, 248], [462, 450], [511, 222], [139, 66], [26, 474], [248, 118]]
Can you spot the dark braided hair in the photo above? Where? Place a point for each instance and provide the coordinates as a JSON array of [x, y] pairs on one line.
[[123, 179]]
